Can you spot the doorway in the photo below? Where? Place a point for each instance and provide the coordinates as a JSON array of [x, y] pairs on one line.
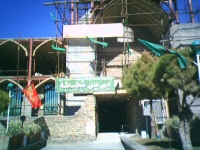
[[111, 116]]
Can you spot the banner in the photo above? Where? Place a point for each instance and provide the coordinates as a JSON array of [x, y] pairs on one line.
[[32, 95], [93, 30], [85, 85]]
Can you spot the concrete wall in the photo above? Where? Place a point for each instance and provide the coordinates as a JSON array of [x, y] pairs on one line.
[[135, 118], [80, 58], [115, 58], [184, 34]]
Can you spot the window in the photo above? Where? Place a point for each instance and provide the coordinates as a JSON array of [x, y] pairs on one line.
[[50, 100]]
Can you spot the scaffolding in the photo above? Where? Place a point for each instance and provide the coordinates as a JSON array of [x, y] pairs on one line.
[[76, 12], [182, 11]]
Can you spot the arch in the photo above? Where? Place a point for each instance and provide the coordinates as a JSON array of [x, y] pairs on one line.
[[14, 82], [25, 50], [40, 46], [140, 13], [51, 78]]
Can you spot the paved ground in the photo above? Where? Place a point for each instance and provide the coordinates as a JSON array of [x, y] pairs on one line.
[[105, 141]]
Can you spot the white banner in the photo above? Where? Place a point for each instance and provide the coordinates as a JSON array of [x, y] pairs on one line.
[[93, 30]]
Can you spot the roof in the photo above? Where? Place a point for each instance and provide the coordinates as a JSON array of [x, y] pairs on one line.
[[16, 51], [145, 13]]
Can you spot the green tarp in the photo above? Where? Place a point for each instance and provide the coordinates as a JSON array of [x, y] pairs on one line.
[[161, 50], [97, 42]]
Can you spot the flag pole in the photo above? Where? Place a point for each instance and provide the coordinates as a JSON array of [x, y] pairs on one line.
[[30, 61]]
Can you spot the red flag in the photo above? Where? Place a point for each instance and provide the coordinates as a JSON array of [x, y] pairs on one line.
[[32, 95]]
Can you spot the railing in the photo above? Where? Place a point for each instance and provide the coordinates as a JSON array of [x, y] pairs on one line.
[[50, 109], [125, 127]]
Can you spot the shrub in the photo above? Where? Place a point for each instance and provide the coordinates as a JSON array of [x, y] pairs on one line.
[[15, 128], [173, 122], [4, 98], [2, 130], [31, 128]]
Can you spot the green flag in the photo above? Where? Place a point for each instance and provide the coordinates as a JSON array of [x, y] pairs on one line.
[[125, 21], [97, 42], [57, 48], [128, 49], [161, 50], [52, 16]]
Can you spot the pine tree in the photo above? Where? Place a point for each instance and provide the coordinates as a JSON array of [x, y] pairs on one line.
[[185, 83], [138, 81]]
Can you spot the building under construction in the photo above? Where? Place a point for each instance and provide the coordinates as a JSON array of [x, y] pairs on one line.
[[78, 73]]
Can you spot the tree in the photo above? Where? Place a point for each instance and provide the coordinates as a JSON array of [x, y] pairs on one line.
[[4, 100], [138, 78], [184, 82], [157, 77]]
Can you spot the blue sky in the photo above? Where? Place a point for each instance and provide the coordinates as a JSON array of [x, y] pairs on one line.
[[31, 18]]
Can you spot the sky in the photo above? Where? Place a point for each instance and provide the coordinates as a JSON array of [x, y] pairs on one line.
[[31, 18]]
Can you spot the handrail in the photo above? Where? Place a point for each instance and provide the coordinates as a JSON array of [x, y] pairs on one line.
[[124, 126]]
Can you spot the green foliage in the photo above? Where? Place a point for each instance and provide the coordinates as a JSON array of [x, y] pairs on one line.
[[35, 128], [137, 78], [174, 77], [31, 128], [15, 128], [151, 77], [4, 99], [2, 130], [26, 130], [173, 122]]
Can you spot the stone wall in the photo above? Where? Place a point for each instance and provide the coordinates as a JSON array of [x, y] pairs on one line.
[[80, 127]]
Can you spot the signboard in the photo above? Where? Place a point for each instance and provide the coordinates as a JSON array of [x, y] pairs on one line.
[[93, 30], [157, 107], [85, 85]]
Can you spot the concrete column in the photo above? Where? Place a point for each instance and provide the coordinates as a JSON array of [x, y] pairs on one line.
[[26, 107]]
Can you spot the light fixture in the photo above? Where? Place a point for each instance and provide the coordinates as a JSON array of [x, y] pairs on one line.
[[196, 47], [10, 86]]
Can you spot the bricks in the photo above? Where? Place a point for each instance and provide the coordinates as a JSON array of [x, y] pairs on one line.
[[80, 127]]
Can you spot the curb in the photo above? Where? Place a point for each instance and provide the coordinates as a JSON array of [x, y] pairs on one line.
[[131, 145]]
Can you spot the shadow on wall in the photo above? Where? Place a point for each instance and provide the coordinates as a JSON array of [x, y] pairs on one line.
[[71, 110], [41, 121]]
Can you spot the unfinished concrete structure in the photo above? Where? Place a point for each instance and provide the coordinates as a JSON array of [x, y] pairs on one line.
[[85, 113]]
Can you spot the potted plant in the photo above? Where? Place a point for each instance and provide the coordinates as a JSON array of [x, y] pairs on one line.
[[27, 133], [32, 131], [159, 134], [16, 134], [36, 129], [4, 140]]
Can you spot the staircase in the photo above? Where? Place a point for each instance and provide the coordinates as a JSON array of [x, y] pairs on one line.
[[80, 127]]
